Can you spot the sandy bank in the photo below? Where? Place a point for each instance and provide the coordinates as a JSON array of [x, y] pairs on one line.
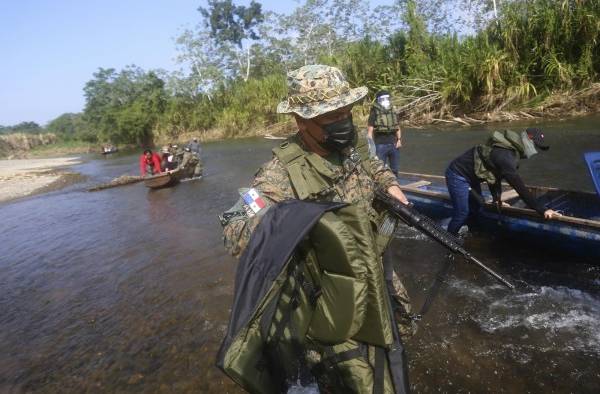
[[20, 178]]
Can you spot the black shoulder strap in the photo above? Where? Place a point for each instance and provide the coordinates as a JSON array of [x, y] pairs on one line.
[[379, 373], [329, 362], [486, 162]]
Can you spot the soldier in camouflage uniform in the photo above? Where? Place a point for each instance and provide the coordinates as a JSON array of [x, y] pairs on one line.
[[321, 101], [190, 164]]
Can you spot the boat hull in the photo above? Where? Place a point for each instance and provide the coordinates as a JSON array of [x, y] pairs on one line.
[[161, 181]]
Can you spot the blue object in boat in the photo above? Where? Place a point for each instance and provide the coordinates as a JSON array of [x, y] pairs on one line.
[[593, 161]]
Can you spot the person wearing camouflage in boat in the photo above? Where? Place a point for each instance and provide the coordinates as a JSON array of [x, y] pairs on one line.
[[320, 99], [190, 164]]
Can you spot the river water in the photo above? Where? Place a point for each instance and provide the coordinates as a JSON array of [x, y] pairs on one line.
[[128, 290]]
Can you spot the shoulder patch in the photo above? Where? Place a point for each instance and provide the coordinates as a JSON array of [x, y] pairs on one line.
[[253, 200]]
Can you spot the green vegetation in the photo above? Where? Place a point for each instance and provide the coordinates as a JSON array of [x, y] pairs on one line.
[[124, 107], [23, 127], [439, 67], [71, 127]]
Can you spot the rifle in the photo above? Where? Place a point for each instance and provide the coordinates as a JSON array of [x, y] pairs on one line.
[[409, 215], [398, 364]]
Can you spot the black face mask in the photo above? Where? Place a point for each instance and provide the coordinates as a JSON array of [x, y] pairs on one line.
[[339, 135]]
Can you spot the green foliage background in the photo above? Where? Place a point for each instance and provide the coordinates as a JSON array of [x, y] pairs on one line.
[[238, 58]]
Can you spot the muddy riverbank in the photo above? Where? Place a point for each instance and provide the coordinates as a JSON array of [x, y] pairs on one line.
[[24, 177]]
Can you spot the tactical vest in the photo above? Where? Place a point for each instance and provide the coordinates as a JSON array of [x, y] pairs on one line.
[[386, 120], [507, 139], [331, 299], [311, 179]]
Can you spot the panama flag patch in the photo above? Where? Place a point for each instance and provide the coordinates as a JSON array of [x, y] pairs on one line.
[[254, 201]]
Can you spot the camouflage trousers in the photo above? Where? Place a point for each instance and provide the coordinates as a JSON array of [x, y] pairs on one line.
[[193, 169], [198, 169], [400, 299]]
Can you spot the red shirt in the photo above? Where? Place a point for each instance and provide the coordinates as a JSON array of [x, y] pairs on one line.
[[154, 161]]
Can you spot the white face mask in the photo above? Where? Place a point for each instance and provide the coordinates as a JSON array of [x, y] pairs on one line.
[[384, 101]]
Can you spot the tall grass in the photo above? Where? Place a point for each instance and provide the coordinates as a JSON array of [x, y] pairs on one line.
[[535, 48]]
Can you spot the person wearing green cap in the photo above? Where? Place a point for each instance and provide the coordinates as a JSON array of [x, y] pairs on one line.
[[326, 161], [495, 160]]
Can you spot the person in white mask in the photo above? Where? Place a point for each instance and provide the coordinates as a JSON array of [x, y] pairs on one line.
[[384, 130]]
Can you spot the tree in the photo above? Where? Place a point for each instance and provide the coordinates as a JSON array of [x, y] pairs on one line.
[[231, 26], [23, 127], [417, 39], [202, 55], [384, 21], [70, 126], [125, 106]]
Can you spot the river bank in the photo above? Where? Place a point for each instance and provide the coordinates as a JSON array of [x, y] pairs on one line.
[[420, 113], [23, 177], [45, 145], [414, 113], [60, 149]]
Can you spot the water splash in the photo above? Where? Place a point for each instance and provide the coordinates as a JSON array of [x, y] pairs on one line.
[[554, 315], [299, 389]]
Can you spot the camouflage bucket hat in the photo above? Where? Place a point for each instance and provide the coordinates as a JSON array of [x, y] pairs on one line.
[[317, 89]]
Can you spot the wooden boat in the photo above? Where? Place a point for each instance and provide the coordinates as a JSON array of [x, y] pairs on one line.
[[577, 232], [162, 180], [107, 150]]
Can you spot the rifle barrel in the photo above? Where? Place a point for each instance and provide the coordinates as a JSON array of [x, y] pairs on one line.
[[424, 224], [490, 271]]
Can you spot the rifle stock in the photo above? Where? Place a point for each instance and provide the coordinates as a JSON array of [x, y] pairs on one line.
[[415, 219]]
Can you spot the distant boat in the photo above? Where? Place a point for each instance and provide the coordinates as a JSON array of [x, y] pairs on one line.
[[108, 149], [577, 232]]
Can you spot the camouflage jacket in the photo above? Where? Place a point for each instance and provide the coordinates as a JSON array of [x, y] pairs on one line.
[[354, 185], [189, 159]]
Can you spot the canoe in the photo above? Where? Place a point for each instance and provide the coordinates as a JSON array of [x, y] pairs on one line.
[[109, 150], [575, 233], [162, 180]]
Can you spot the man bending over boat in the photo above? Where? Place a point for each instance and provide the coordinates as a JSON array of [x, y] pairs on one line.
[[492, 162], [149, 163]]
